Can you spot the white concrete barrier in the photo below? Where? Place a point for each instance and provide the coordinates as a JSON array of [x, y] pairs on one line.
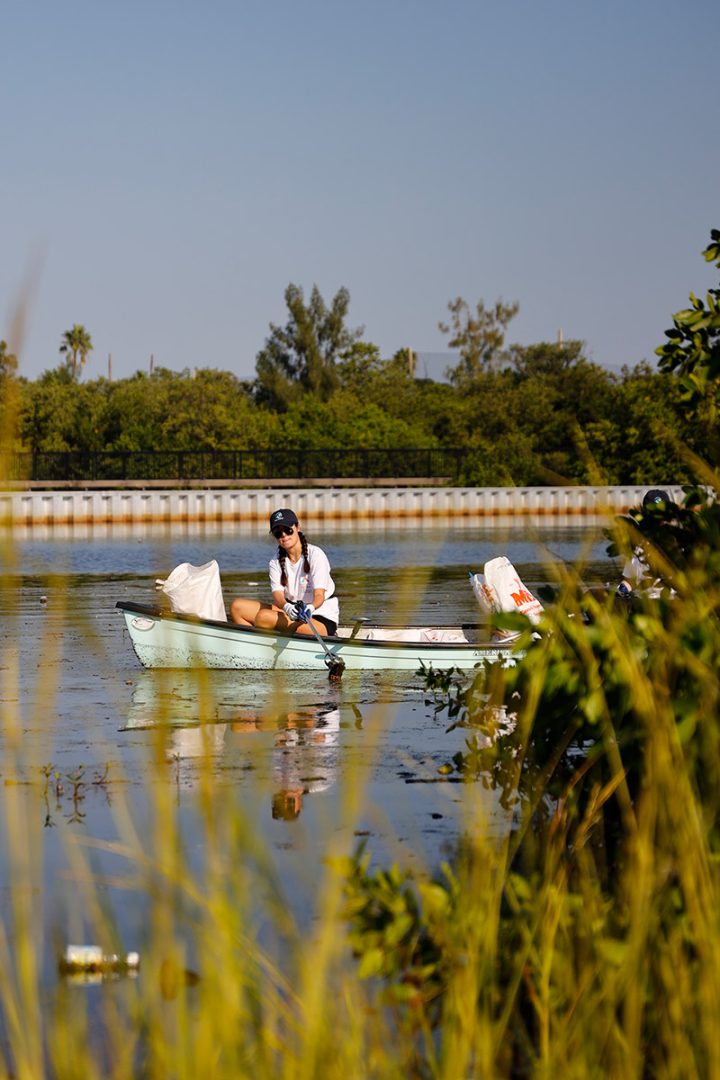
[[120, 507]]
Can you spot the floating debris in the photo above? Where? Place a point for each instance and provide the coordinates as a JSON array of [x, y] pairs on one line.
[[92, 964]]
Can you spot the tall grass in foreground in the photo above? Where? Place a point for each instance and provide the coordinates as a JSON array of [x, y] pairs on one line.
[[586, 942]]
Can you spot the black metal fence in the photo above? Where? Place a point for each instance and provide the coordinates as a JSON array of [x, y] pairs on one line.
[[232, 465]]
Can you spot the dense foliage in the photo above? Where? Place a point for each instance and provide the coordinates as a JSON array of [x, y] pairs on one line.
[[534, 414], [549, 416], [590, 932], [585, 941]]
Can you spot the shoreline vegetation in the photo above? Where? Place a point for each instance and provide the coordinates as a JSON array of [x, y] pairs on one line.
[[524, 415], [565, 421], [584, 942]]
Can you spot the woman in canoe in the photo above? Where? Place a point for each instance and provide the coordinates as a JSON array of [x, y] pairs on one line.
[[637, 576], [299, 575]]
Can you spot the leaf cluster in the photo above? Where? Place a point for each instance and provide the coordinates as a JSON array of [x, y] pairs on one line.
[[692, 351]]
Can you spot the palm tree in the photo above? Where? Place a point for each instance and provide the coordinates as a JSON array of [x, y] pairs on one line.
[[77, 343]]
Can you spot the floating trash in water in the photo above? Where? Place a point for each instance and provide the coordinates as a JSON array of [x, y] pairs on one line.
[[89, 963]]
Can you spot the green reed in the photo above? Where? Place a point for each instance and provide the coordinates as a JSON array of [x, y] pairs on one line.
[[585, 941]]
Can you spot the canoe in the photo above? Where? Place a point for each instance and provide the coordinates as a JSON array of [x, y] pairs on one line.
[[165, 639]]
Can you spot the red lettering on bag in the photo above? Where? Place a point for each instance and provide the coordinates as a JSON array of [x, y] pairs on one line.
[[523, 597]]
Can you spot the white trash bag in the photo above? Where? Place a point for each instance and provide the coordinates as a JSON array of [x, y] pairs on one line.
[[503, 591], [484, 595], [195, 590]]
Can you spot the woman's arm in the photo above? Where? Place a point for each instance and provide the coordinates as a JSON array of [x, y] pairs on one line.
[[280, 600], [318, 598]]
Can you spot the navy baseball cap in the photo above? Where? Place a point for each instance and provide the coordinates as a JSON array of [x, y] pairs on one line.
[[654, 497], [285, 517]]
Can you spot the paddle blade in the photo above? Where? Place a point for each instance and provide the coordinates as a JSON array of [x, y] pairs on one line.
[[334, 665], [335, 671]]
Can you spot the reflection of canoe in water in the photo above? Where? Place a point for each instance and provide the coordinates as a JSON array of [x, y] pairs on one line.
[[170, 640], [245, 701]]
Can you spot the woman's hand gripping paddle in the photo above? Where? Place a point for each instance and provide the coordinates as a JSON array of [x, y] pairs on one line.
[[334, 664]]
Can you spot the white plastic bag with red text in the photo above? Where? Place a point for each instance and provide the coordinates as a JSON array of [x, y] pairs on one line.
[[503, 591]]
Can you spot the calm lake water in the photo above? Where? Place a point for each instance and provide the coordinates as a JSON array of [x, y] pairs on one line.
[[87, 734]]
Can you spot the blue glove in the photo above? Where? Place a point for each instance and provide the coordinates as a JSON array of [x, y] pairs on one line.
[[308, 612], [293, 609]]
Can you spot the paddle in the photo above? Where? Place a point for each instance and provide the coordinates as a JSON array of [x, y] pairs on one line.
[[334, 664]]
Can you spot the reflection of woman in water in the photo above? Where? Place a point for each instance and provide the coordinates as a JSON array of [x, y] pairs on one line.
[[297, 753], [299, 577], [286, 804], [305, 759]]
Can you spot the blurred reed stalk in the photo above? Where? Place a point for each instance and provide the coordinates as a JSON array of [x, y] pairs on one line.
[[583, 942]]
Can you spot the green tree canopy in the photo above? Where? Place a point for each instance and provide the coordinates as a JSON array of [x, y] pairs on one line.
[[301, 357], [519, 414], [479, 337], [692, 352], [76, 344], [8, 361], [10, 398]]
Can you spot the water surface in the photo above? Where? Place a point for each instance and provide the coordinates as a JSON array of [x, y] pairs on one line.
[[88, 736]]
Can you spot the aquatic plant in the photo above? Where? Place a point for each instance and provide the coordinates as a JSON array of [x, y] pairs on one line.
[[584, 940]]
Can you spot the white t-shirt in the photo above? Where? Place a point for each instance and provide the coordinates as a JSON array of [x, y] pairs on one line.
[[637, 572], [636, 568], [301, 586], [307, 757]]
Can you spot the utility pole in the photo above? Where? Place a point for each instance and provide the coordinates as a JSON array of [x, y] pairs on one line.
[[109, 367], [152, 362], [411, 362]]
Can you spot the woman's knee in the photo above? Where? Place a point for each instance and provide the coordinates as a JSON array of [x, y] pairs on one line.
[[266, 618], [243, 611], [303, 628]]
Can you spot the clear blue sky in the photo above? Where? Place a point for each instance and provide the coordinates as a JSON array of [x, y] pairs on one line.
[[169, 167]]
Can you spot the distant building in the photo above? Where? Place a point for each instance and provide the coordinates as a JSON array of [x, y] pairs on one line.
[[434, 365]]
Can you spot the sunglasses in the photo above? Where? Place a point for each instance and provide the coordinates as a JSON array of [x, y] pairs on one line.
[[282, 531]]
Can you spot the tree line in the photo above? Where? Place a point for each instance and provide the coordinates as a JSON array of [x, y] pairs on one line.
[[522, 414]]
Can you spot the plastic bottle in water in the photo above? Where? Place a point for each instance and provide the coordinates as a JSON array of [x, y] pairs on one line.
[[92, 960]]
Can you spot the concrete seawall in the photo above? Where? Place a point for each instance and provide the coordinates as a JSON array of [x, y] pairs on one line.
[[205, 506]]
